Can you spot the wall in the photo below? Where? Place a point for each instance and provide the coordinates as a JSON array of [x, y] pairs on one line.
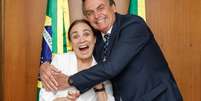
[[22, 27], [177, 28], [176, 25], [1, 52]]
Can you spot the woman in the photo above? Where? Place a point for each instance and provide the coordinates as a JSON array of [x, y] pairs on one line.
[[82, 37]]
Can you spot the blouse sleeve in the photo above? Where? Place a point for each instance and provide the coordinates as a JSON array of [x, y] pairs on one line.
[[110, 97], [45, 95], [109, 91]]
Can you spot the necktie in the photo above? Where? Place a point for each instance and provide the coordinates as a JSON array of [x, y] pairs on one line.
[[106, 43]]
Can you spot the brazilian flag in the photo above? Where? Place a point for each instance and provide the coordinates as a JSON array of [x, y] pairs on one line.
[[137, 7], [56, 26]]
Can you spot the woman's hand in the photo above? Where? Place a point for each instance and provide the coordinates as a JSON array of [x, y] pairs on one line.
[[61, 99], [73, 95]]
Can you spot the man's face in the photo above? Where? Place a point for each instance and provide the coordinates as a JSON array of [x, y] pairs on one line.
[[100, 14]]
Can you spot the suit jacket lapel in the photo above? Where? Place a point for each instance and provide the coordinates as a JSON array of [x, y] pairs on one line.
[[98, 51], [114, 34]]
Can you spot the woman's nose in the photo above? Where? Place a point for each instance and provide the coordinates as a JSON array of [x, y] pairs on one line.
[[82, 39]]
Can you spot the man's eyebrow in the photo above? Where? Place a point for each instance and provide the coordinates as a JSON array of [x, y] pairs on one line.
[[101, 5]]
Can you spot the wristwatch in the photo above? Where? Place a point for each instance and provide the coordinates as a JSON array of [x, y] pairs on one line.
[[99, 89]]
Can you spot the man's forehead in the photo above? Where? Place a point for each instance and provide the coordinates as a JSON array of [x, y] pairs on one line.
[[94, 4]]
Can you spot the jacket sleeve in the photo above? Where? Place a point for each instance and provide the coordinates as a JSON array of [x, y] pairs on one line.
[[133, 37]]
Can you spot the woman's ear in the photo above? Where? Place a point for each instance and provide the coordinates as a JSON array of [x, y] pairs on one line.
[[114, 8]]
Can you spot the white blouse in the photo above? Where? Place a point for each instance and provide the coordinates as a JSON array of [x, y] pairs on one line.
[[67, 63]]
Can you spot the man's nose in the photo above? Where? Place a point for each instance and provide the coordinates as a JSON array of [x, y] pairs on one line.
[[97, 14]]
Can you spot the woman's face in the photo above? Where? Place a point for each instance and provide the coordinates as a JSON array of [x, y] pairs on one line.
[[83, 40]]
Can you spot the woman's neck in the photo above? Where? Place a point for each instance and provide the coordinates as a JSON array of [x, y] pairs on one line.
[[84, 63]]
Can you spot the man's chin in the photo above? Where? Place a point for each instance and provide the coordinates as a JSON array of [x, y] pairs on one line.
[[103, 29]]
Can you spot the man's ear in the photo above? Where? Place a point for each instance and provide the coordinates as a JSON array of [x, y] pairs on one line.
[[114, 8], [95, 39]]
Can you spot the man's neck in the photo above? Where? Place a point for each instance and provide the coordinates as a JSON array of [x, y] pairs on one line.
[[107, 32]]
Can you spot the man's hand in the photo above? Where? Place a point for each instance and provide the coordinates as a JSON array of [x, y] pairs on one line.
[[62, 81], [47, 72]]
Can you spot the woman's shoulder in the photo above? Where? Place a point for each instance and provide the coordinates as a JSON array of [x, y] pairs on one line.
[[64, 55], [64, 58], [65, 62]]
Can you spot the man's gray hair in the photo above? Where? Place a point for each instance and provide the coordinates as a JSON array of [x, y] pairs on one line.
[[111, 2]]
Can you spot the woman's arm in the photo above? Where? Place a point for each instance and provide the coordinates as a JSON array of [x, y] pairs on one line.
[[100, 92]]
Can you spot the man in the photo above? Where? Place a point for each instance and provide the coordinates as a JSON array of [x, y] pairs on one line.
[[132, 59]]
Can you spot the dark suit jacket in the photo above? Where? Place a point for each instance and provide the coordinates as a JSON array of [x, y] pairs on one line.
[[135, 65]]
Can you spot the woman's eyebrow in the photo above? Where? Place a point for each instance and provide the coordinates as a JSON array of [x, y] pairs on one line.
[[88, 30], [74, 32]]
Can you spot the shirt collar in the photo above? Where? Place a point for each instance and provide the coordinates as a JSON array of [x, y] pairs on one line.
[[108, 32]]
